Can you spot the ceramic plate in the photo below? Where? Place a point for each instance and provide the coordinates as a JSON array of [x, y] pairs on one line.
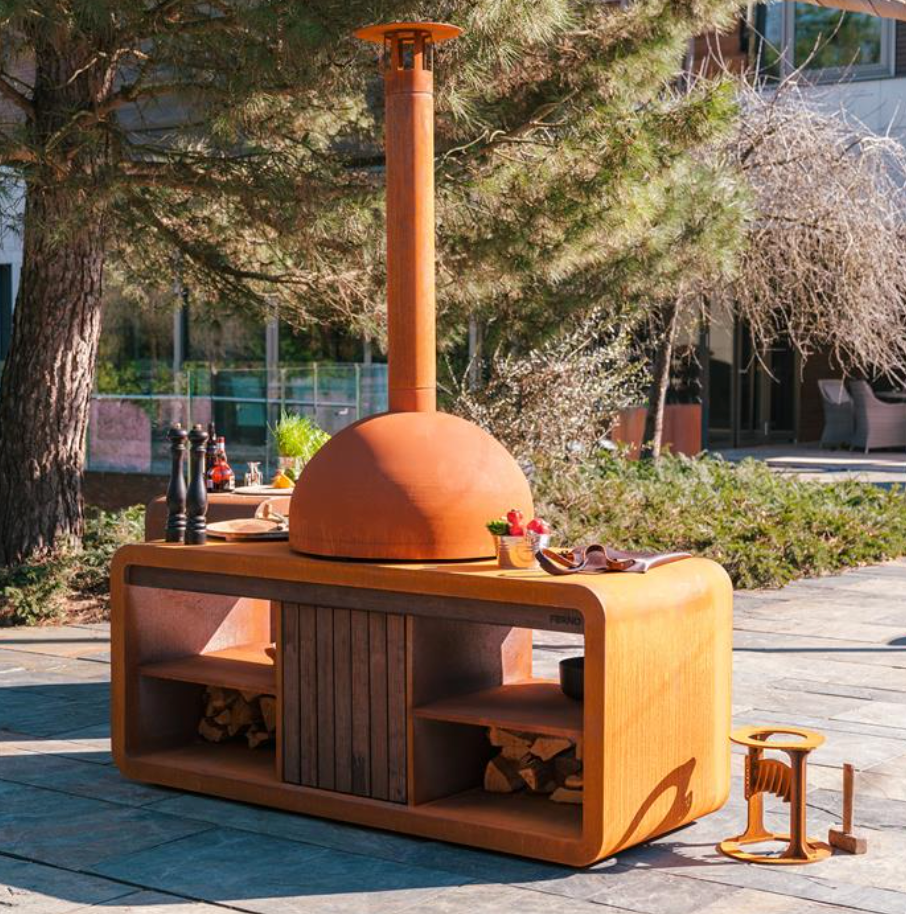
[[247, 529]]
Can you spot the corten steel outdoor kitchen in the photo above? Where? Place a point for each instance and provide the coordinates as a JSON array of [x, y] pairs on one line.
[[387, 652]]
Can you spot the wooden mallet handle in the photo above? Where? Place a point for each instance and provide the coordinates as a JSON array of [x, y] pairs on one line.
[[848, 785]]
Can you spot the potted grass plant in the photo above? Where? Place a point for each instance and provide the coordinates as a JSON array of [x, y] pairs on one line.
[[297, 439]]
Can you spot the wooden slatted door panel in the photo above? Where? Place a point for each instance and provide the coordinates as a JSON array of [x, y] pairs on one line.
[[344, 700], [377, 693], [308, 694], [361, 704]]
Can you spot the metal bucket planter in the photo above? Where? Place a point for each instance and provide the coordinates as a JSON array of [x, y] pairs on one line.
[[519, 551]]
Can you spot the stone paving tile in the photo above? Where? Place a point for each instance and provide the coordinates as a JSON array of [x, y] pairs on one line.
[[502, 899], [876, 882], [272, 876], [64, 830], [100, 731], [882, 868], [10, 657], [95, 657], [816, 687], [78, 778], [51, 718], [876, 582], [31, 888], [881, 713], [819, 626], [836, 724], [810, 704], [636, 889], [870, 783], [54, 681], [816, 883], [59, 640], [155, 903], [874, 812], [802, 599], [325, 833], [58, 687], [844, 673], [860, 748], [96, 751], [750, 900], [820, 649]]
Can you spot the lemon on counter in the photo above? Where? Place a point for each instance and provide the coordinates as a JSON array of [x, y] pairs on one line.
[[281, 481]]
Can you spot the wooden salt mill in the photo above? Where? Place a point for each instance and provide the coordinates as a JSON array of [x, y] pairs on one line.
[[176, 491], [197, 496]]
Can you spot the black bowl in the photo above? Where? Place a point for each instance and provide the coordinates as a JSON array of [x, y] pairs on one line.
[[572, 677]]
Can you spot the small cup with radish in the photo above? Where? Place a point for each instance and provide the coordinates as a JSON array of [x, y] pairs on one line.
[[517, 541]]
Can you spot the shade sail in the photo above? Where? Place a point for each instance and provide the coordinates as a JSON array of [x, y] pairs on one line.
[[886, 9]]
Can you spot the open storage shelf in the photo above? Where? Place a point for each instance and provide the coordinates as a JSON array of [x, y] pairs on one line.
[[229, 760], [245, 667], [519, 812], [534, 705]]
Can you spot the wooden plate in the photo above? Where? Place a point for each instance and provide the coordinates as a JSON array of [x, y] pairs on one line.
[[247, 529]]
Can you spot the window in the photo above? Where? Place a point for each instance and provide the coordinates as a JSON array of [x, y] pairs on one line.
[[827, 44]]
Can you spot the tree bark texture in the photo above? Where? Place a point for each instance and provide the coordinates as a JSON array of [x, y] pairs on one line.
[[48, 376], [654, 419], [47, 383]]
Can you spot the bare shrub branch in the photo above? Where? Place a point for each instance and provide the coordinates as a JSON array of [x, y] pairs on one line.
[[562, 398], [825, 260]]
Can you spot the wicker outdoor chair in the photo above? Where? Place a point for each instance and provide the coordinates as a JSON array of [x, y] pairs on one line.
[[878, 424], [838, 413]]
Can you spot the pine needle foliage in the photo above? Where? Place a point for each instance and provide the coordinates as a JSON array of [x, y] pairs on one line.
[[239, 146], [236, 145]]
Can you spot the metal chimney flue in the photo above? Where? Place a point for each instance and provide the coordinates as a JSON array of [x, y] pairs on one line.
[[407, 61], [414, 483]]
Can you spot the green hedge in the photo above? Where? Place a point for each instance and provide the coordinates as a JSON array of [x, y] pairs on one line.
[[42, 590], [765, 529]]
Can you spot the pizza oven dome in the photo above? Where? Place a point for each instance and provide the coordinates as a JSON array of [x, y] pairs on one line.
[[411, 484]]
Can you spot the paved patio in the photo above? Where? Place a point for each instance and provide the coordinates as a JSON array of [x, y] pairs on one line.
[[74, 836], [812, 462]]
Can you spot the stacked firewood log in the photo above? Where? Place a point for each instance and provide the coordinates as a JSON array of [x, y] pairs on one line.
[[549, 765], [230, 713]]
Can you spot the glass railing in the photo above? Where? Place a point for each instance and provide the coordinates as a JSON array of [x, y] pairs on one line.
[[127, 428]]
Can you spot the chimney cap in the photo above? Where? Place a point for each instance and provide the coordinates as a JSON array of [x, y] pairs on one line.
[[439, 31]]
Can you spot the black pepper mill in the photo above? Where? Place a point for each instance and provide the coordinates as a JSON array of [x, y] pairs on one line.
[[197, 501], [176, 491]]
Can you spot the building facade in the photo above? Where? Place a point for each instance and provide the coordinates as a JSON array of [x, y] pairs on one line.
[[847, 61], [10, 260]]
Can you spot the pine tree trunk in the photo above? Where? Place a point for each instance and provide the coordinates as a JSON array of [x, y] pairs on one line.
[[48, 376], [657, 401]]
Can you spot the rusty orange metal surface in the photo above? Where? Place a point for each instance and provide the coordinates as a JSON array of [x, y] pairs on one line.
[[413, 485]]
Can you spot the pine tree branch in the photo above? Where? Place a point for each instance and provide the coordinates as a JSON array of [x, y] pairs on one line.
[[13, 95], [209, 258], [12, 153], [137, 92]]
